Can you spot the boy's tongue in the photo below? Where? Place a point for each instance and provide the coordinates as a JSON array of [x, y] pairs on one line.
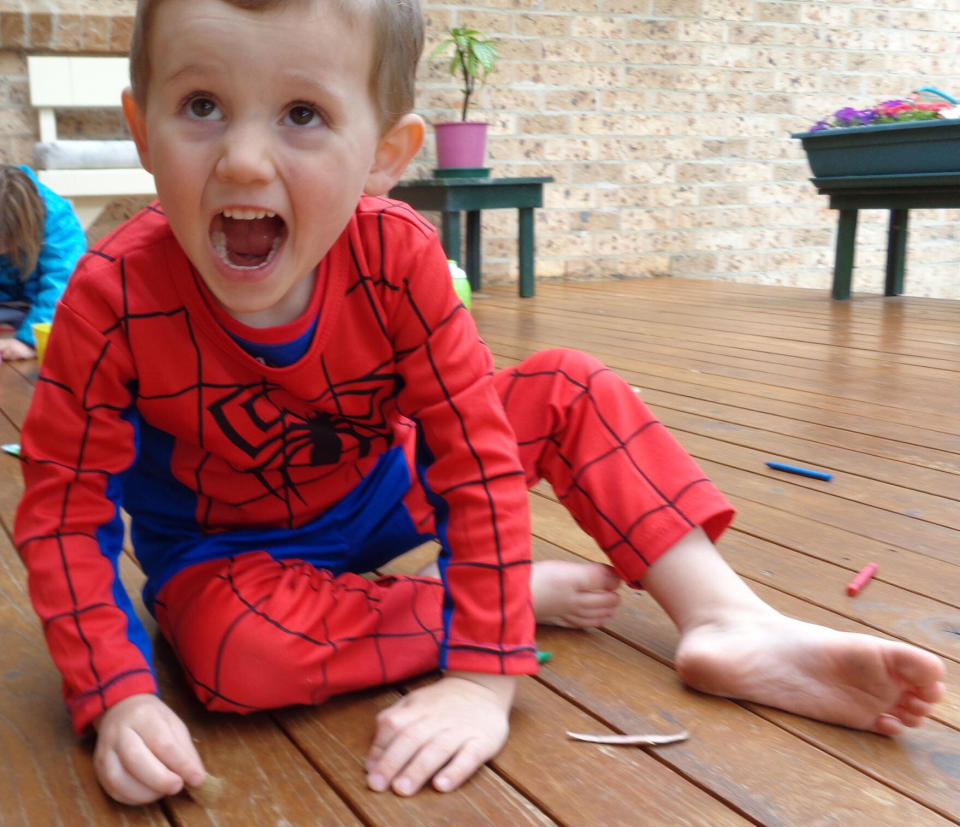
[[249, 241]]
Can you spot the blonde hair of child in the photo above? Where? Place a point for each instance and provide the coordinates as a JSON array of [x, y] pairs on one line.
[[398, 31], [22, 215]]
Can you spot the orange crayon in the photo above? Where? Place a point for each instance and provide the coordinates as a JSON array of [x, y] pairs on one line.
[[862, 578]]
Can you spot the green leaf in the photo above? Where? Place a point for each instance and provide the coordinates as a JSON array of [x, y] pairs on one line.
[[440, 48], [486, 54]]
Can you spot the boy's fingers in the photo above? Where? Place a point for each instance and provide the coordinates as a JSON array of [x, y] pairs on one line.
[[463, 765], [425, 763], [391, 723], [173, 746], [141, 763], [396, 756], [120, 785]]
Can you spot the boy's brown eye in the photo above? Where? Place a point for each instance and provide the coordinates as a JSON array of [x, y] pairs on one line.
[[302, 115], [202, 107]]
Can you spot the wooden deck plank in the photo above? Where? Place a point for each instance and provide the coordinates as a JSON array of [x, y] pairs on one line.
[[905, 321], [653, 338], [869, 389], [888, 483], [826, 436], [921, 399], [740, 328], [822, 507], [914, 572], [635, 366]]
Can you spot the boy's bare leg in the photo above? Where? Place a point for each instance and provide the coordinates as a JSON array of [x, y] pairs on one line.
[[733, 644]]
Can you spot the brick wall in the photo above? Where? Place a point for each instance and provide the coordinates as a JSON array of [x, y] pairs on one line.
[[666, 126], [664, 122]]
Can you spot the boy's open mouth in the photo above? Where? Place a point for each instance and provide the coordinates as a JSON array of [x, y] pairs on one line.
[[247, 239]]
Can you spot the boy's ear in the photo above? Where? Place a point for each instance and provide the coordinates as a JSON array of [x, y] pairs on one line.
[[137, 123], [396, 149]]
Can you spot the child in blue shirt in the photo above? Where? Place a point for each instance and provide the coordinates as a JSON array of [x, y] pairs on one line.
[[41, 240]]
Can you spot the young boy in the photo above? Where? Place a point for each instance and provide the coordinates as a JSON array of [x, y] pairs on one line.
[[271, 373]]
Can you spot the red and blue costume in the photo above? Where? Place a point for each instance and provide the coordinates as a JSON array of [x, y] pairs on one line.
[[258, 494]]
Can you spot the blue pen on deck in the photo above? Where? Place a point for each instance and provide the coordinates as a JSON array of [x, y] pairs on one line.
[[803, 472]]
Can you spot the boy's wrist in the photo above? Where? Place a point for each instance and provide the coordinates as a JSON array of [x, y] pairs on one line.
[[502, 686]]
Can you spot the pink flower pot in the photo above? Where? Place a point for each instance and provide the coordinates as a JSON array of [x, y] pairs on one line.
[[461, 144]]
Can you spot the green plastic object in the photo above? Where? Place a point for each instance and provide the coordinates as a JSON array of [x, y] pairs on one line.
[[543, 657], [888, 149], [461, 284]]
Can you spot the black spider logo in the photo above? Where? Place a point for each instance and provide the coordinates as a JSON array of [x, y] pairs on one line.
[[260, 422], [324, 431]]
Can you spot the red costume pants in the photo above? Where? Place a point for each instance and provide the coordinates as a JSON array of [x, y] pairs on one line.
[[253, 632]]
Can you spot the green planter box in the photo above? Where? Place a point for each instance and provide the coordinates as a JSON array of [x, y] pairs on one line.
[[887, 149]]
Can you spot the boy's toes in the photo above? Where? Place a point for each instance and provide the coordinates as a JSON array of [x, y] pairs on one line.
[[918, 669], [887, 724], [916, 706], [931, 693], [911, 710]]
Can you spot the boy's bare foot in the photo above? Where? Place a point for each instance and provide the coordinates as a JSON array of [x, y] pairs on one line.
[[843, 678], [565, 593]]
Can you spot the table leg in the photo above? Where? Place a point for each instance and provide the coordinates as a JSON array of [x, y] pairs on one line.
[[896, 252], [474, 242], [526, 245], [450, 234], [843, 263]]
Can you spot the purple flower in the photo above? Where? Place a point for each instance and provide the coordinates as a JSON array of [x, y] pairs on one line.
[[848, 115], [819, 126], [867, 115]]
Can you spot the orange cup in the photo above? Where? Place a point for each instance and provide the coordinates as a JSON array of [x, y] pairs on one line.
[[41, 332]]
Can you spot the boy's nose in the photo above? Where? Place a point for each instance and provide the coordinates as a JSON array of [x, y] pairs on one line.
[[245, 156]]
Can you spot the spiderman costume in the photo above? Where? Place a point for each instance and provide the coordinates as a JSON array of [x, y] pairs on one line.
[[258, 494]]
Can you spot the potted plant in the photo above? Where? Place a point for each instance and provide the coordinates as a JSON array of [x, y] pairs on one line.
[[461, 145], [895, 137]]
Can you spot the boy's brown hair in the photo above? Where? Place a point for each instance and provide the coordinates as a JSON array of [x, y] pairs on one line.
[[22, 215], [397, 43]]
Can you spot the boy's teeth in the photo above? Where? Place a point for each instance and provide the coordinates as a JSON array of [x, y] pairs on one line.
[[247, 214]]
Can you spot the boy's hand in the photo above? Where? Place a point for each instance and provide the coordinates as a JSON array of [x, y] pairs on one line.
[[14, 349], [144, 751], [444, 731]]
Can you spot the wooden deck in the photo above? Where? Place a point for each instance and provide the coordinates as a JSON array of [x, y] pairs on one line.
[[867, 389]]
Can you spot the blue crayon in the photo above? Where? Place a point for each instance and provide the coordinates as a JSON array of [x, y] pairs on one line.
[[803, 472]]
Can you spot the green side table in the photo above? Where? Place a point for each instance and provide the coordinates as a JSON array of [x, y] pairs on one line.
[[451, 196], [897, 193]]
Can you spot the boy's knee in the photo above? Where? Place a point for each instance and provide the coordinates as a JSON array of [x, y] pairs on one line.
[[252, 662], [570, 362]]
